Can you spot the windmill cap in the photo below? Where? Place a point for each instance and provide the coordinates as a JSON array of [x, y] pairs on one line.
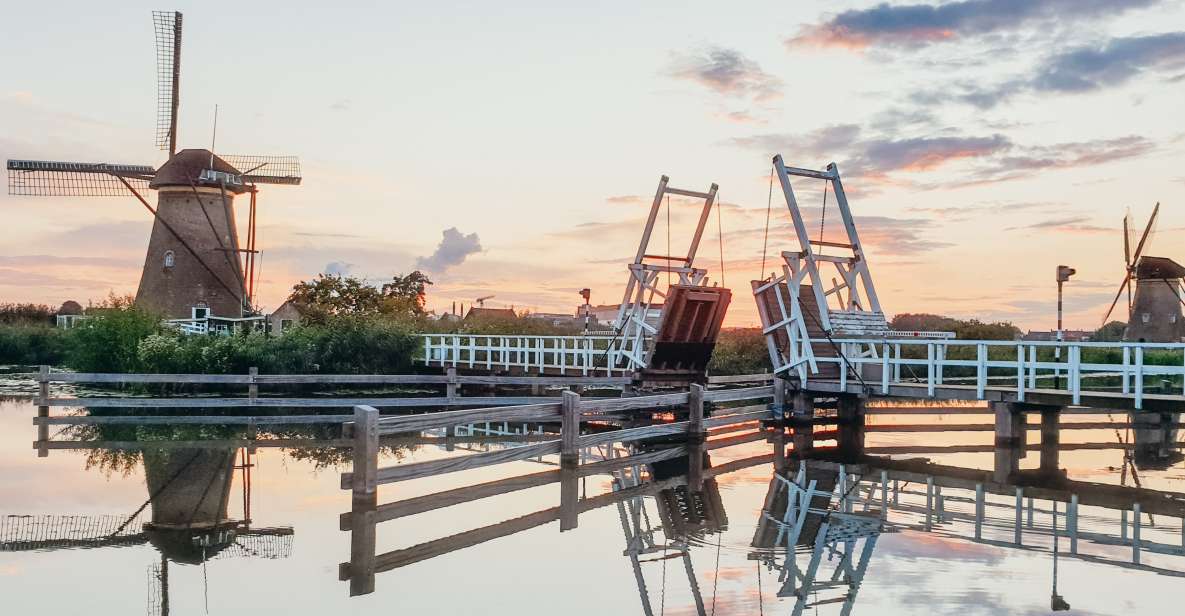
[[1159, 267], [193, 167]]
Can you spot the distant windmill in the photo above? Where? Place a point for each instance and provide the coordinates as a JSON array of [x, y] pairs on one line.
[[1154, 313], [195, 267]]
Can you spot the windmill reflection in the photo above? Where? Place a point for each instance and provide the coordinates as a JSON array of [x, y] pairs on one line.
[[189, 492]]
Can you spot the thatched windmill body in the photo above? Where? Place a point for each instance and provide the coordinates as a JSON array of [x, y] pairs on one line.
[[1153, 287], [195, 267]]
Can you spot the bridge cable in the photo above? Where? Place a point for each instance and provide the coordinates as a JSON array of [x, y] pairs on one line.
[[716, 575], [848, 365], [668, 250], [768, 205], [823, 218], [720, 237]]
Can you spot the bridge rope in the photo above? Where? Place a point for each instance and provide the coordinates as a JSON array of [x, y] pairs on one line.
[[823, 218], [720, 237], [768, 205]]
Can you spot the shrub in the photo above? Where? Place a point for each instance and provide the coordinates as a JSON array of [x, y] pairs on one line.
[[31, 345], [109, 341], [739, 351]]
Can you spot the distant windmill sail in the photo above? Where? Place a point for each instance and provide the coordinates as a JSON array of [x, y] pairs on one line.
[[265, 169], [44, 178], [1132, 262], [168, 77]]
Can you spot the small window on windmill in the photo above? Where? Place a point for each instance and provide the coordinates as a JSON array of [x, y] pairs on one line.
[[1145, 317], [169, 258], [200, 312], [1172, 318]]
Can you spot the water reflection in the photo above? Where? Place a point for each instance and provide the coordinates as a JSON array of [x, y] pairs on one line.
[[842, 503]]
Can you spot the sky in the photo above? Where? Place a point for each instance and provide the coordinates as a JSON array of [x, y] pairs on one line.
[[512, 149]]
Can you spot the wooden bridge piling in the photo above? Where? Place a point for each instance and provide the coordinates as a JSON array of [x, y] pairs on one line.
[[43, 409], [365, 500]]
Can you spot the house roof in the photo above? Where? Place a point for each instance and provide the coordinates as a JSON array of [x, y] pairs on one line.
[[1159, 268], [502, 313]]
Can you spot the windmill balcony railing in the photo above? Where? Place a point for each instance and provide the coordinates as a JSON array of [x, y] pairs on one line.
[[583, 355], [1128, 369]]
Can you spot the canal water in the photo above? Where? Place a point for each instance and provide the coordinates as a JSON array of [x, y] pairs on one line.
[[187, 529]]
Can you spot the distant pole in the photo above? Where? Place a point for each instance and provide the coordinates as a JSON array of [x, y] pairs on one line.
[[1063, 274]]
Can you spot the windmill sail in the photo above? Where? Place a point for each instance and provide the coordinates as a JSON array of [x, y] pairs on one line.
[[265, 169], [44, 178], [168, 77], [1133, 261]]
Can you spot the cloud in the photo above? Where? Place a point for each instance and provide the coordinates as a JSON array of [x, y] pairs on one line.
[[957, 213], [917, 25], [338, 268], [728, 72], [1090, 68], [453, 249], [1069, 224], [341, 105], [54, 260], [987, 158], [874, 157], [1113, 63]]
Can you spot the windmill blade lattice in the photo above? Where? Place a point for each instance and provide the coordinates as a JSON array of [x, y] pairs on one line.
[[168, 72], [42, 178], [265, 169]]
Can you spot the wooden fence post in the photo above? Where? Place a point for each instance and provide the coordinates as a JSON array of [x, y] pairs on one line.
[[695, 408], [253, 387], [779, 387], [569, 497], [42, 410], [451, 389], [365, 499], [569, 427]]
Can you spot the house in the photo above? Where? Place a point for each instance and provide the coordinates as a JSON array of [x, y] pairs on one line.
[[287, 316], [490, 313]]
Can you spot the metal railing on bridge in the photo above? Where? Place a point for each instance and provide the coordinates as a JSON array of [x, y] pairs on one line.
[[570, 355], [1121, 374]]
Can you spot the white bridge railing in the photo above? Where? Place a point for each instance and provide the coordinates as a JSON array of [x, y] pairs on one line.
[[1126, 369], [570, 355]]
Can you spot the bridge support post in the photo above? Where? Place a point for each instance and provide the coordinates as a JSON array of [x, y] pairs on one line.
[[1010, 439], [696, 435], [569, 459], [850, 410], [802, 415], [1050, 440]]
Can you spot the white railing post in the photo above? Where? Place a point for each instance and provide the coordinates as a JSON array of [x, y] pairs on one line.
[[930, 369], [1072, 523], [1020, 372], [980, 370], [885, 368], [1136, 533], [1127, 360], [897, 364], [1020, 502], [979, 504], [1139, 401], [843, 370], [940, 353], [1075, 376]]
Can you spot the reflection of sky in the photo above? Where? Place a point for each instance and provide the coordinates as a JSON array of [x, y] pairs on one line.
[[532, 572], [537, 126]]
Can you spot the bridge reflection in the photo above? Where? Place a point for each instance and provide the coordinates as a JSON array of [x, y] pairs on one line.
[[831, 496]]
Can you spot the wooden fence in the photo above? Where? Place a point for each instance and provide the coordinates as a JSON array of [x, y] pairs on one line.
[[572, 412]]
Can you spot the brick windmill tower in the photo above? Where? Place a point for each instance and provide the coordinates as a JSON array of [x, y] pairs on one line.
[[1154, 313], [196, 268]]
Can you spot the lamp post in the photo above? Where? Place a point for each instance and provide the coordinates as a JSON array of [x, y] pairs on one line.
[[1063, 275]]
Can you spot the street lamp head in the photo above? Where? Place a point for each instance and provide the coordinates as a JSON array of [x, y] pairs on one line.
[[1064, 272]]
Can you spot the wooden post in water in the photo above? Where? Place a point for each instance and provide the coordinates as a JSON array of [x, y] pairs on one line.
[[1050, 438], [850, 411], [979, 505], [42, 410], [365, 500], [569, 427], [1136, 533], [1020, 501], [803, 413], [779, 407]]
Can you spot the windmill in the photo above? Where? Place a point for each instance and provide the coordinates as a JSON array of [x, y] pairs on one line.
[[1154, 307], [196, 268]]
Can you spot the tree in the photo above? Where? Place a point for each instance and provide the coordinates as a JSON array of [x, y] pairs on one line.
[[972, 329], [408, 292], [333, 295], [1111, 332]]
